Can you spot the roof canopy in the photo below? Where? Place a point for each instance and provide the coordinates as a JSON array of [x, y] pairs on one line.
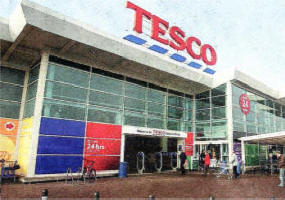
[[269, 138]]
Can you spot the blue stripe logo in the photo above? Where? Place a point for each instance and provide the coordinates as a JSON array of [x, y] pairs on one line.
[[161, 50]]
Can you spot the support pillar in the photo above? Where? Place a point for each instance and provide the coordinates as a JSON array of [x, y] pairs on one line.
[[229, 115], [38, 112], [123, 142]]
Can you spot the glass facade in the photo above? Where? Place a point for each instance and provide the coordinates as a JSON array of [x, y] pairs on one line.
[[211, 123], [11, 90], [98, 96], [31, 92], [265, 116]]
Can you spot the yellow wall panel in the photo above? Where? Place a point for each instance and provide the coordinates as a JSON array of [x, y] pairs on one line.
[[24, 154], [27, 125], [25, 145]]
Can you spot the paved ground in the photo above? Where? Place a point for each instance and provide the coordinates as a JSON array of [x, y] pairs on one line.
[[171, 185]]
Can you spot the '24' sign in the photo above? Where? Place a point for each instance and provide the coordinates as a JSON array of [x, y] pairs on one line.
[[244, 103]]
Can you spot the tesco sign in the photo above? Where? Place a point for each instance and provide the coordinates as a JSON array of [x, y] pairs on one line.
[[177, 40]]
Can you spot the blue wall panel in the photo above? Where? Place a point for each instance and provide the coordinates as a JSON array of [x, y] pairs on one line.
[[51, 126], [57, 164], [60, 145]]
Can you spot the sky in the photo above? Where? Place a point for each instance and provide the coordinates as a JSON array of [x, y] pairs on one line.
[[247, 35]]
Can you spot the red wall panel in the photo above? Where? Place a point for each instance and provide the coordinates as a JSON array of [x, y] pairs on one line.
[[103, 162], [97, 130]]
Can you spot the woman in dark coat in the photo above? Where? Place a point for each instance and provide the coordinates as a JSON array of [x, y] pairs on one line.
[[182, 162], [201, 160]]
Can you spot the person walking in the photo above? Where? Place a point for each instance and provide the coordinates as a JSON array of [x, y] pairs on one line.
[[235, 164], [206, 162], [281, 166], [202, 160], [182, 162]]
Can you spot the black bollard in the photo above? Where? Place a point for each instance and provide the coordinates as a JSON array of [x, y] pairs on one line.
[[151, 197], [211, 198], [96, 196], [45, 194]]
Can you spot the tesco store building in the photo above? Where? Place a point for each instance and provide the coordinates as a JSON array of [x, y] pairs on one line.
[[71, 93]]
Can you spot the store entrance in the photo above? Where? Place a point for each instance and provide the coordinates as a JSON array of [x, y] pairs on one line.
[[216, 151], [152, 149]]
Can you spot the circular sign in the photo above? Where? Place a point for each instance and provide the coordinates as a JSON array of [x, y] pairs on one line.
[[244, 104], [9, 126]]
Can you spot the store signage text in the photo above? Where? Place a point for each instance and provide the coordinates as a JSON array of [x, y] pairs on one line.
[[93, 145], [180, 42], [244, 103], [153, 132]]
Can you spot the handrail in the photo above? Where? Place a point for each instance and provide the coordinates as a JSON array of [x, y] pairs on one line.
[[69, 174]]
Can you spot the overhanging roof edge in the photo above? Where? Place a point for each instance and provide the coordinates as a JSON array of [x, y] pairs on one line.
[[263, 136], [5, 32], [56, 23]]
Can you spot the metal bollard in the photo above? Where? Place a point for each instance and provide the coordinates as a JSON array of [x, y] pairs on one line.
[[211, 198], [272, 198], [45, 194], [96, 196], [151, 197]]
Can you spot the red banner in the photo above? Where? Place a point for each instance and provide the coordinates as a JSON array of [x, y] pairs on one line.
[[102, 146], [189, 144], [97, 130], [103, 162]]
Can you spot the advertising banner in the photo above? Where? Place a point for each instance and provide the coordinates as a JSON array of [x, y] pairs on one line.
[[8, 133], [237, 150], [189, 144]]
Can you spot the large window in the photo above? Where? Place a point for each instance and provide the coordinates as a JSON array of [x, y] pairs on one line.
[[211, 114], [31, 91], [97, 96], [11, 89]]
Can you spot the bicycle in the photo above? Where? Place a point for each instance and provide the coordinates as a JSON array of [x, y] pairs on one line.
[[88, 171]]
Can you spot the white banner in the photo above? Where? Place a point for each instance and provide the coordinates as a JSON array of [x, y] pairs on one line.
[[133, 130]]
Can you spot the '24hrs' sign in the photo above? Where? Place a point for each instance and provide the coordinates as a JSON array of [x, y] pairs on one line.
[[244, 103]]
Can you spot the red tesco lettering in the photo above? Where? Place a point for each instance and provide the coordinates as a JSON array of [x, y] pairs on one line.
[[160, 27]]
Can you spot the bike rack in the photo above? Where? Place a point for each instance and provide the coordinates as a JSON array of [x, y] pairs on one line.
[[140, 158], [69, 174], [173, 160], [80, 175], [158, 162]]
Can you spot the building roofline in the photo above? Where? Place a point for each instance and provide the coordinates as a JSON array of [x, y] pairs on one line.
[[5, 32], [33, 14], [51, 21], [237, 76]]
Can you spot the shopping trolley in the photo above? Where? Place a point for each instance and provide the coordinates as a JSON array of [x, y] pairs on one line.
[[224, 170]]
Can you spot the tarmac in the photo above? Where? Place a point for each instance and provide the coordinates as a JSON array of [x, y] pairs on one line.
[[161, 186]]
